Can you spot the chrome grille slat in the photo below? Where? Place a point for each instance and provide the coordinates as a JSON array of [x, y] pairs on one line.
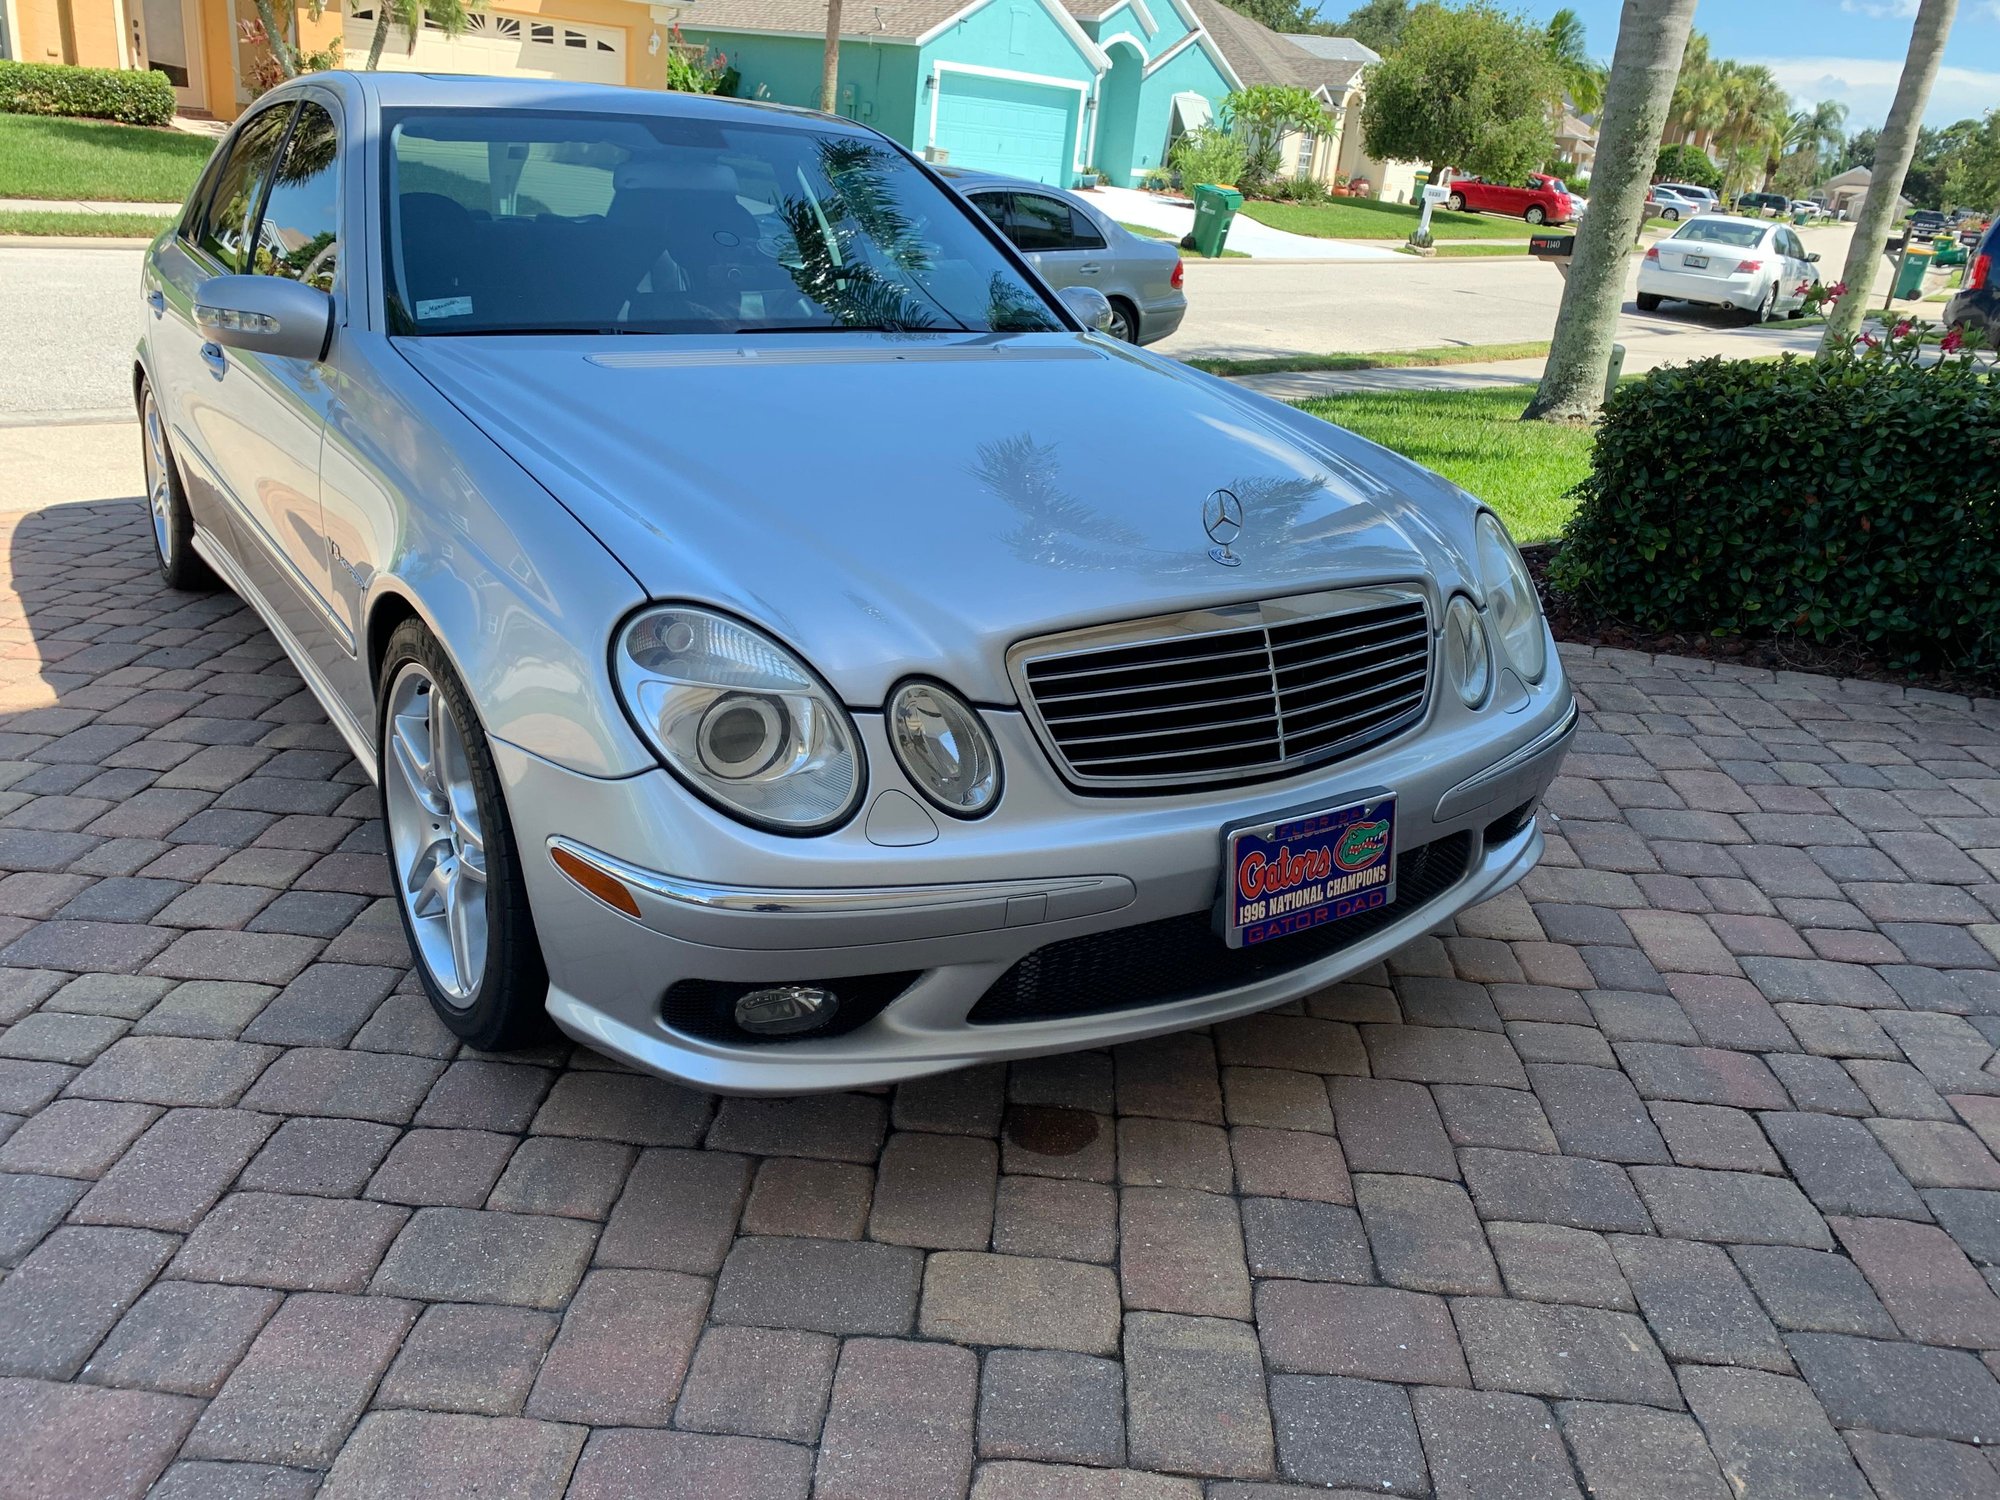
[[1231, 695]]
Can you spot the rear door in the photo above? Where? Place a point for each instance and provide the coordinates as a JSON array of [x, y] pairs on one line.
[[1059, 242]]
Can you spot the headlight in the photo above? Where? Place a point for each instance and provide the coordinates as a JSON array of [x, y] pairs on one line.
[[1510, 595], [944, 747], [1466, 656], [740, 719]]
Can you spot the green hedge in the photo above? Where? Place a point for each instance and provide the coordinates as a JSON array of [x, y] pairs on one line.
[[85, 93], [1846, 501]]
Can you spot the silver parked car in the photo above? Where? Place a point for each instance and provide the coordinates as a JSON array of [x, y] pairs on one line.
[[715, 542], [1072, 243]]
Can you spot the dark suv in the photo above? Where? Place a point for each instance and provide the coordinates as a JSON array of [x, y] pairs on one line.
[[1978, 305], [1762, 203]]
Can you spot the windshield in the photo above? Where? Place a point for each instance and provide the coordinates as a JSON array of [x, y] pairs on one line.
[[540, 222], [1722, 232]]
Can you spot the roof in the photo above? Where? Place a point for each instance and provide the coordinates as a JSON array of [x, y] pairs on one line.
[[1334, 48], [896, 20], [1852, 177], [1261, 55]]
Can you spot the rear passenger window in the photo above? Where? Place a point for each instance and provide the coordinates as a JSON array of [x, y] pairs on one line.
[[1050, 224], [298, 238], [225, 228]]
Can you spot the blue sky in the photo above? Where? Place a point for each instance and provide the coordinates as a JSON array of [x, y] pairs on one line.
[[1850, 50]]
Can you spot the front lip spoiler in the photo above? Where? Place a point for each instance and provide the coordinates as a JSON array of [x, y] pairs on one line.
[[734, 916]]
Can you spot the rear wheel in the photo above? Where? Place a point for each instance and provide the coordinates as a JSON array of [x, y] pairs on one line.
[[457, 874], [1768, 308], [166, 503], [1648, 301], [1534, 215], [1124, 321], [1456, 203], [1670, 214]]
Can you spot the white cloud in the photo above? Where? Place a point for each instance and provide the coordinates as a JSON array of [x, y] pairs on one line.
[[1866, 85], [1881, 9]]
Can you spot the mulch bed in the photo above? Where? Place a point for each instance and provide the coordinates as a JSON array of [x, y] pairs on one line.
[[1571, 621]]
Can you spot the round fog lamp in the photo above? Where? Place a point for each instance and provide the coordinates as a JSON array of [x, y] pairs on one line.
[[785, 1009], [1465, 653], [944, 747]]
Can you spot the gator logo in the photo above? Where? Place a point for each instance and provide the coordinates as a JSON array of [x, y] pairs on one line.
[[1362, 845]]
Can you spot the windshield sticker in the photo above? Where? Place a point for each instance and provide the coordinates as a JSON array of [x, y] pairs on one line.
[[444, 307]]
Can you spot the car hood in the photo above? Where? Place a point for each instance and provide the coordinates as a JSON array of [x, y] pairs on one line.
[[894, 505]]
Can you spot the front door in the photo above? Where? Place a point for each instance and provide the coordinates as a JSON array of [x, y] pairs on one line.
[[171, 33]]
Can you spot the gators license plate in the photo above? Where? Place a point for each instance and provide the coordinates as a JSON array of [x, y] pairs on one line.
[[1297, 874]]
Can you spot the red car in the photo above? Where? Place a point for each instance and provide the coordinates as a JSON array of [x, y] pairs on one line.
[[1540, 200]]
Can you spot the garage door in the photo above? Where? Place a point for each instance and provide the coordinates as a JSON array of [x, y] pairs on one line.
[[1007, 125], [494, 42]]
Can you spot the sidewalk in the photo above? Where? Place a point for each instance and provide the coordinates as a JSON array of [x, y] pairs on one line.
[[1176, 217], [86, 206], [1645, 349]]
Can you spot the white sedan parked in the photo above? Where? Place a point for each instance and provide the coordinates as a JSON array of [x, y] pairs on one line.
[[1719, 260]]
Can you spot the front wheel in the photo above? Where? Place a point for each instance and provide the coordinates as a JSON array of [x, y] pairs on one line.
[[166, 504], [1534, 215], [1648, 301], [457, 874]]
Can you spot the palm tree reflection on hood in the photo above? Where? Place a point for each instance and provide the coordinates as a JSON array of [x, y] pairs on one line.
[[1298, 512], [856, 253]]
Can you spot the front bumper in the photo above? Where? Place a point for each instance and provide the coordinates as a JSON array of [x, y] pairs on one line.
[[958, 911]]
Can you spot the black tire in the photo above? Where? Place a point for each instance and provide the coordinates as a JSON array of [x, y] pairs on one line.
[[166, 504], [1456, 203], [1648, 301], [1124, 321], [1766, 310], [1671, 215], [1534, 215], [508, 1007]]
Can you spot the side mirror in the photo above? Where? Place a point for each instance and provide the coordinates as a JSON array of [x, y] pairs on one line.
[[265, 315], [1088, 306], [1812, 255]]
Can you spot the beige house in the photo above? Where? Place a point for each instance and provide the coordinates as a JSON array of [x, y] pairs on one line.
[[1576, 140], [1334, 70]]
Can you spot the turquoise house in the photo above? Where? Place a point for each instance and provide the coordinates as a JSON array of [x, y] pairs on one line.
[[1041, 89]]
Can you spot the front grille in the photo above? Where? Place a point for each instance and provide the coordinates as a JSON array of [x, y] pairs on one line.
[[1237, 702], [1181, 958]]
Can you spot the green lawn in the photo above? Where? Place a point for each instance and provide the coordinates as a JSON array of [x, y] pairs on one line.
[[1476, 439], [1387, 359], [96, 226], [1366, 219], [49, 158], [1147, 232]]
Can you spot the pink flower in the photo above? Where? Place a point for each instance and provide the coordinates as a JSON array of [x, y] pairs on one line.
[[1903, 328], [1952, 342], [1866, 341], [1838, 289], [1800, 289]]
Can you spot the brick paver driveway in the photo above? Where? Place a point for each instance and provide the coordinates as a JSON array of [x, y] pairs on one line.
[[1671, 1174]]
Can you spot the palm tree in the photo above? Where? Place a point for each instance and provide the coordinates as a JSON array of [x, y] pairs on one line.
[[1652, 35], [1583, 78], [410, 15], [829, 66], [1893, 150]]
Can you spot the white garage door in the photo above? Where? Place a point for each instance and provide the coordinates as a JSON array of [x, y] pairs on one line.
[[494, 42]]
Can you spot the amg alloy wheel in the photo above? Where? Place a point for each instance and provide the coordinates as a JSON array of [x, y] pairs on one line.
[[166, 505], [451, 851]]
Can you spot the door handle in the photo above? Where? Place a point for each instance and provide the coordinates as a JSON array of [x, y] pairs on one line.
[[1089, 268], [157, 300], [214, 358]]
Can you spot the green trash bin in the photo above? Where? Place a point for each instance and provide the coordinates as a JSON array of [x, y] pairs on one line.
[[1801, 216], [1214, 211], [1910, 271]]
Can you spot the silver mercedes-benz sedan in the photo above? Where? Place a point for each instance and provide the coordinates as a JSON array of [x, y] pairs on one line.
[[1074, 243], [715, 540]]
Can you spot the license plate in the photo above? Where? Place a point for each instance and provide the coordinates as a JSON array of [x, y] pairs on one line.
[[1299, 873], [1695, 262]]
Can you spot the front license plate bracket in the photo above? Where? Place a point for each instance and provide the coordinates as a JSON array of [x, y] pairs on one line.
[[1292, 874]]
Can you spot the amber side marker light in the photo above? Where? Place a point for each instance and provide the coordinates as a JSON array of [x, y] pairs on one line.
[[605, 886]]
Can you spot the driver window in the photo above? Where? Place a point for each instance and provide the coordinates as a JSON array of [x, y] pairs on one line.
[[232, 210], [299, 238]]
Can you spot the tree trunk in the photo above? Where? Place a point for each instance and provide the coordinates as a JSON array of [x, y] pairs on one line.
[[275, 39], [384, 11], [1894, 148], [829, 71], [1652, 35]]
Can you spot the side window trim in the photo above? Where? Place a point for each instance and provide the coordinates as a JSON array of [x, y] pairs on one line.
[[255, 222], [200, 223], [328, 105]]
